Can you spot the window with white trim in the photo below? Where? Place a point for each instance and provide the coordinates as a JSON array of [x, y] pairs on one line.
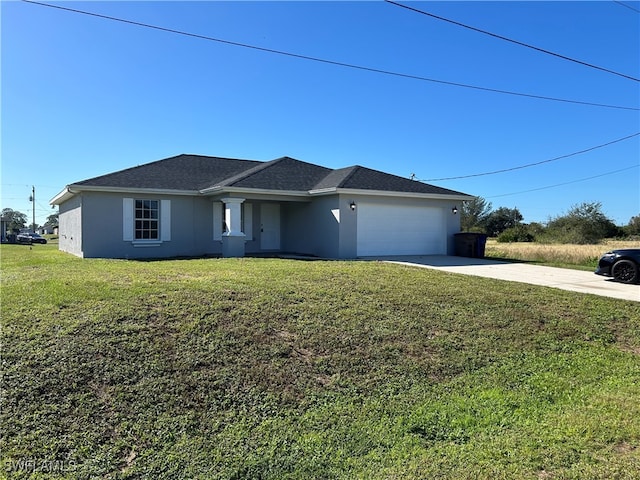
[[146, 217], [146, 222]]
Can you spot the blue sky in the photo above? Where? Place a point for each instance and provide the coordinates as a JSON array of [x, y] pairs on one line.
[[83, 96]]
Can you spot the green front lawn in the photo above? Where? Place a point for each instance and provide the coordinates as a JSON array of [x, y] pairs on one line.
[[275, 369]]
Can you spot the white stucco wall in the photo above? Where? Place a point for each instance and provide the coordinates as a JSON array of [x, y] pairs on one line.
[[70, 226]]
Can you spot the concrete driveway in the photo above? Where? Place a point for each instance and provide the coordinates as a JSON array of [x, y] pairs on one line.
[[563, 278]]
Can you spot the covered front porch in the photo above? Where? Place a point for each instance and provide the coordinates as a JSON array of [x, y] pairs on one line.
[[249, 225]]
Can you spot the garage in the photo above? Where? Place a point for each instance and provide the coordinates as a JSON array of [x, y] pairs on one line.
[[384, 229]]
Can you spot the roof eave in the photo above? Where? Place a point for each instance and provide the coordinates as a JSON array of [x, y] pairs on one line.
[[258, 193], [385, 193], [71, 190], [62, 197]]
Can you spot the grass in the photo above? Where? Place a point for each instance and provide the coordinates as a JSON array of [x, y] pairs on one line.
[[582, 257], [276, 369]]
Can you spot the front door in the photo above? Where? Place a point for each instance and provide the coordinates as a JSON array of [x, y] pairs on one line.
[[270, 226]]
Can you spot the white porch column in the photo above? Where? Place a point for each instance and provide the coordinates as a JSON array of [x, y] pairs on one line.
[[233, 238]]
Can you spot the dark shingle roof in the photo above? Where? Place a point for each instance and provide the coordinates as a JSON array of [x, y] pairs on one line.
[[363, 178], [183, 172], [335, 178], [282, 174], [197, 172]]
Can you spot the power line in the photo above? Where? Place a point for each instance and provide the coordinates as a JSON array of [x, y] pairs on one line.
[[500, 37], [329, 62], [44, 208], [628, 6], [533, 164], [27, 185], [566, 183]]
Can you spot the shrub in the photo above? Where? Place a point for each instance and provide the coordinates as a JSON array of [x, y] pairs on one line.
[[583, 224], [519, 233]]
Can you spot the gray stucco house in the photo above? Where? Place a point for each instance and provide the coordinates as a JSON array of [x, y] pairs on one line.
[[192, 205]]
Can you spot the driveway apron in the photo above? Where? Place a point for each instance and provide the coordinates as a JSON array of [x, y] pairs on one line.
[[562, 278]]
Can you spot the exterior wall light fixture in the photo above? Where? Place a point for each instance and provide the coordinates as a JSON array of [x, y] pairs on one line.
[[454, 210], [352, 205]]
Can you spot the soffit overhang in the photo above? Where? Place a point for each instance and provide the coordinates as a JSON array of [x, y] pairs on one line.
[[254, 193], [385, 193], [71, 190]]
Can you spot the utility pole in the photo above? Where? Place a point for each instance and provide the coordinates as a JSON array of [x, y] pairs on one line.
[[33, 208]]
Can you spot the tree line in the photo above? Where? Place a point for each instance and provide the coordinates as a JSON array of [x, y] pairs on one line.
[[17, 221], [582, 224]]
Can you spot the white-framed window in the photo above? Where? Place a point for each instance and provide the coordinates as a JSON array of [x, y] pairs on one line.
[[146, 220]]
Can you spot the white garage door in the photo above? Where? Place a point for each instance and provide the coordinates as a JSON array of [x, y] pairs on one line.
[[400, 230]]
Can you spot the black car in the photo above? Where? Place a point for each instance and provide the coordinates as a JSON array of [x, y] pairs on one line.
[[622, 265], [31, 238]]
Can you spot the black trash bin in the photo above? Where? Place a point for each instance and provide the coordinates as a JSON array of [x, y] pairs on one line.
[[481, 243], [469, 244]]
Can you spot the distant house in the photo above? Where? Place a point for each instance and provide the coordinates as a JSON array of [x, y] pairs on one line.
[[47, 230], [192, 205]]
